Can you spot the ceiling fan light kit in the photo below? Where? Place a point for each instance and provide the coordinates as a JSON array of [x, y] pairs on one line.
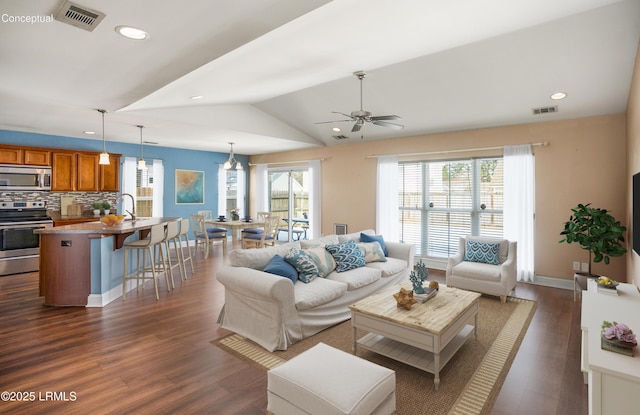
[[360, 117]]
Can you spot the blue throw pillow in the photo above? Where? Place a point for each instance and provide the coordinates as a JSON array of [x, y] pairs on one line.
[[307, 269], [278, 266], [484, 252], [347, 255], [374, 238]]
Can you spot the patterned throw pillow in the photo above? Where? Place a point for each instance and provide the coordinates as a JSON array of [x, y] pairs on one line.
[[323, 260], [484, 252], [347, 255], [372, 252], [307, 269]]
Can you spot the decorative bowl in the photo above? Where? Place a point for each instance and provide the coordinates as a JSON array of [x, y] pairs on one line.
[[112, 220], [607, 282]]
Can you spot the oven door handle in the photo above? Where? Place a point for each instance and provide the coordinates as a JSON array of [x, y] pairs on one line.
[[22, 225]]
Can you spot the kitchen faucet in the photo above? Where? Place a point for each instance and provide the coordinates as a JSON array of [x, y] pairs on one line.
[[133, 203]]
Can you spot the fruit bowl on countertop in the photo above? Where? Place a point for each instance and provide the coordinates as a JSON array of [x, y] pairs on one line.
[[607, 282], [112, 220]]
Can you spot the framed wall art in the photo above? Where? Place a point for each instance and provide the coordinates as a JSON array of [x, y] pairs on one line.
[[189, 187]]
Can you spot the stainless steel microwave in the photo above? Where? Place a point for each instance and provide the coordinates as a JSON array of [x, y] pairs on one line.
[[24, 178]]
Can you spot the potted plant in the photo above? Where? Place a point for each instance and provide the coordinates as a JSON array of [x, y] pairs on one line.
[[596, 231], [106, 206], [96, 208]]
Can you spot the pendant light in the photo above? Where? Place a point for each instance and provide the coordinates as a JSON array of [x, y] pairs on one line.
[[104, 156], [141, 163], [229, 163]]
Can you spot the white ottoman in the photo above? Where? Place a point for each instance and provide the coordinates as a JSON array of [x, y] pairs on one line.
[[325, 381]]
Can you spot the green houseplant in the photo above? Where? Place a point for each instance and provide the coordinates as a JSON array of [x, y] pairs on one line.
[[596, 231]]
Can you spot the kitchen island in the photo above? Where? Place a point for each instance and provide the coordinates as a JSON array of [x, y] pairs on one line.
[[83, 265]]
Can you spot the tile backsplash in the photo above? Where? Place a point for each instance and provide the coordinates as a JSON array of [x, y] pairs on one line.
[[53, 199]]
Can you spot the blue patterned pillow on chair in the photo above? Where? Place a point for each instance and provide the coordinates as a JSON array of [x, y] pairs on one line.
[[484, 252], [347, 255], [307, 269]]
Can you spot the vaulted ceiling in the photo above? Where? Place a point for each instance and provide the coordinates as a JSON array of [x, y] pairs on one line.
[[270, 72]]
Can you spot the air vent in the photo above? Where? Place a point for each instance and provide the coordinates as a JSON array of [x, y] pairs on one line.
[[340, 137], [79, 16], [544, 110]]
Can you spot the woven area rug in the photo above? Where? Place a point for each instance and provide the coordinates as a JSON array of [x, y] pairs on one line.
[[469, 383]]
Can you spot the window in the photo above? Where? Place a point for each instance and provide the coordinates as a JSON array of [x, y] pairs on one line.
[[440, 201], [144, 192]]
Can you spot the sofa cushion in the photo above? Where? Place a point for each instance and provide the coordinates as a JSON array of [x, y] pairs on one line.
[[347, 255], [323, 260], [317, 292], [477, 271], [484, 252], [374, 238], [392, 267], [355, 236], [503, 245], [325, 240], [259, 258], [279, 266], [307, 269], [357, 277], [372, 252]]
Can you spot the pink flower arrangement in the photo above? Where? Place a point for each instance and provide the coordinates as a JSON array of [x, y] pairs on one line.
[[615, 331]]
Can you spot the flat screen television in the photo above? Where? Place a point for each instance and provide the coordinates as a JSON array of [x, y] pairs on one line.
[[636, 213]]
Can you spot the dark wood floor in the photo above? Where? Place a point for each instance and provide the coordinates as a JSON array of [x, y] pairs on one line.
[[148, 356]]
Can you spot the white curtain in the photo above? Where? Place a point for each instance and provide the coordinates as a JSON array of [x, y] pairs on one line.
[[387, 210], [519, 205], [129, 174], [261, 190], [222, 191], [240, 189], [157, 204], [315, 199]]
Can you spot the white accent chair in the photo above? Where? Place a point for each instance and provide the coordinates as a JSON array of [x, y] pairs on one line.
[[498, 280]]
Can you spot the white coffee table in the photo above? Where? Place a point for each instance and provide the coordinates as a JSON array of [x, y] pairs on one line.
[[426, 337]]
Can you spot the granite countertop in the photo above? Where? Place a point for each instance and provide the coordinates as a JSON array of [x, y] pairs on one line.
[[98, 228]]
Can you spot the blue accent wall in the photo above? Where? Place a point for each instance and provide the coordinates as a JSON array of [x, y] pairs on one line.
[[172, 159]]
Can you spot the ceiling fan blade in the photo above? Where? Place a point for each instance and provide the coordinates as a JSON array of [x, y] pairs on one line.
[[331, 122], [388, 125], [356, 127], [385, 117], [346, 115]]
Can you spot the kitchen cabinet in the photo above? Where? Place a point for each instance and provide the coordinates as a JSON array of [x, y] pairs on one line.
[[37, 157], [63, 172], [110, 175], [87, 173], [9, 155]]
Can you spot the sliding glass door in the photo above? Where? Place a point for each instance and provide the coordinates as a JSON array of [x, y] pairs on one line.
[[289, 199]]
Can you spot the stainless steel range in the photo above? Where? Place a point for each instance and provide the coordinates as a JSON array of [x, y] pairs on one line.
[[19, 246]]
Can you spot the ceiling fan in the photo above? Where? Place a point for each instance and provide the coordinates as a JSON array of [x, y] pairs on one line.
[[361, 117]]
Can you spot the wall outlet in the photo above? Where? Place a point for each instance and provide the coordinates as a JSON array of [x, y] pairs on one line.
[[576, 265], [585, 267]]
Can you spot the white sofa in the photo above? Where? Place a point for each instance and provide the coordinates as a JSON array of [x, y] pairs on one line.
[[275, 313], [493, 279]]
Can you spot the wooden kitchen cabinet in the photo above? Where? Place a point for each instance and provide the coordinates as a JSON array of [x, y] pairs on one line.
[[110, 175], [63, 172], [87, 174], [37, 157], [10, 155]]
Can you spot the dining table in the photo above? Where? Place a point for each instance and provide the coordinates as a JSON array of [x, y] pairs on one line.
[[236, 227]]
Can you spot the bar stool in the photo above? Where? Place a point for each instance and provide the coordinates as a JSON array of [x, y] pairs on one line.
[[171, 235], [184, 232], [144, 247]]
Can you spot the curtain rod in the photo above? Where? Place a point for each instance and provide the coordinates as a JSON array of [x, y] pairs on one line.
[[286, 162], [541, 144]]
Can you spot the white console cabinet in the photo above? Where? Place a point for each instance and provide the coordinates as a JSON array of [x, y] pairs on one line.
[[613, 378]]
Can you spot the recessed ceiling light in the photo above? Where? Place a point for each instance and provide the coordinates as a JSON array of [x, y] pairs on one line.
[[336, 129], [558, 95], [89, 132], [196, 97], [132, 33]]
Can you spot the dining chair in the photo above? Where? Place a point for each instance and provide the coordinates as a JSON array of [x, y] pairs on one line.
[[267, 237], [206, 214], [260, 217], [207, 237]]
